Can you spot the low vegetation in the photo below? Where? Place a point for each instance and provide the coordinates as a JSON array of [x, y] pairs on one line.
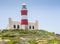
[[18, 36]]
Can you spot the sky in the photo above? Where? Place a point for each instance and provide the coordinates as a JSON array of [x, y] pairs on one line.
[[47, 12]]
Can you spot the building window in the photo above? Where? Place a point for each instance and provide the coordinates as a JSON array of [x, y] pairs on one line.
[[29, 27], [18, 27], [32, 27], [14, 26]]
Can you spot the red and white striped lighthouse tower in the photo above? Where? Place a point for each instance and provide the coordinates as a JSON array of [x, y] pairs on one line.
[[24, 20]]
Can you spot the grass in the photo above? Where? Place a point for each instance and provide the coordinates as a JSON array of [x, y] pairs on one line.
[[32, 36]]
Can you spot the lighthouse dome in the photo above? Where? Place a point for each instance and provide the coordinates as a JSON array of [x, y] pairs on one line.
[[23, 3]]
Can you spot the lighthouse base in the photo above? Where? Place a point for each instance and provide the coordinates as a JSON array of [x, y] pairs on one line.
[[25, 27]]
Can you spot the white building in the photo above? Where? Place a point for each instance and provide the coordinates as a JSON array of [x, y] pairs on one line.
[[16, 25]]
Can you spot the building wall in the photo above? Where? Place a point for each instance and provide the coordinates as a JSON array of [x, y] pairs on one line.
[[16, 25]]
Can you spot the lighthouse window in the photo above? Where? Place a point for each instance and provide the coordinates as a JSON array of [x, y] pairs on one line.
[[29, 27], [17, 26], [32, 27], [14, 26]]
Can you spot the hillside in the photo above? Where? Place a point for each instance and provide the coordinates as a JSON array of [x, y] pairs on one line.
[[29, 37]]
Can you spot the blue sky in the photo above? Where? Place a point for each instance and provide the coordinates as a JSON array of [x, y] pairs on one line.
[[47, 12]]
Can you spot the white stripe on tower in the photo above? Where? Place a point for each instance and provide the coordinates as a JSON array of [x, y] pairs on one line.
[[24, 17]]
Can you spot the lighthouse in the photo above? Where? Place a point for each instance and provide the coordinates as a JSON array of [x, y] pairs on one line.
[[23, 23], [24, 19]]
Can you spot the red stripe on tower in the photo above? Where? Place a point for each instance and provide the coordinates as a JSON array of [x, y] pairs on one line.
[[24, 20], [23, 12]]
